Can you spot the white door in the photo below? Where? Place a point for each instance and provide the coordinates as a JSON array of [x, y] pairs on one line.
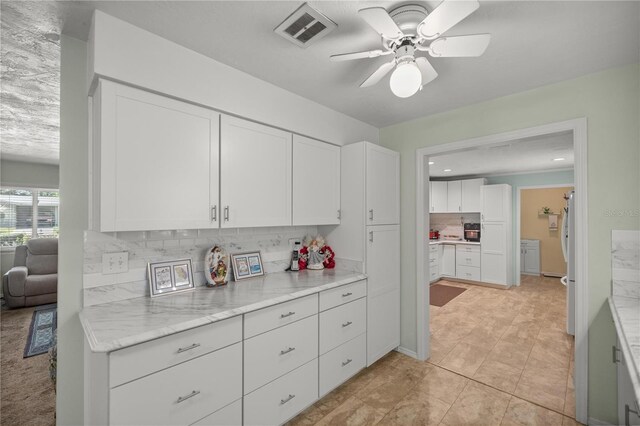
[[493, 257], [471, 195], [158, 162], [448, 260], [255, 174], [438, 197], [316, 182], [494, 203], [454, 196], [383, 186], [532, 260], [383, 290]]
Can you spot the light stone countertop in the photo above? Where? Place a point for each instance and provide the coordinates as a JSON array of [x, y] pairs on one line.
[[626, 316], [435, 242], [117, 325]]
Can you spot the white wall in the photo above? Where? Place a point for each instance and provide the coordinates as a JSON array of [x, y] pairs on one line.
[[26, 174], [74, 216], [121, 51]]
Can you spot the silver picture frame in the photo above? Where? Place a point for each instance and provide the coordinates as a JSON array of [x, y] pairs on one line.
[[246, 265], [170, 277]]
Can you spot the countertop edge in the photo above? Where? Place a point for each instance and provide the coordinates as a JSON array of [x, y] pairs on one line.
[[626, 349], [125, 342], [470, 243]]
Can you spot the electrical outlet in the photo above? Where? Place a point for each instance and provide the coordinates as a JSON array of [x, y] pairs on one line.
[[292, 241], [114, 263]]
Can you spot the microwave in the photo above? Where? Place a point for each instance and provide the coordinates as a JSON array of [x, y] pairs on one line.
[[472, 232]]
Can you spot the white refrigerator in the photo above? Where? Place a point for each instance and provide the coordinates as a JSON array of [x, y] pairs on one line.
[[568, 241]]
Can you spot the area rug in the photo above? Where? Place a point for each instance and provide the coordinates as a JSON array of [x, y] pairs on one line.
[[440, 295], [42, 330]]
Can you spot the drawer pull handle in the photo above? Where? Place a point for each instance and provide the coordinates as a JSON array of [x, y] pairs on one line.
[[627, 417], [347, 294], [287, 315], [287, 399], [348, 361], [347, 324], [184, 398], [286, 351], [615, 351], [188, 348]]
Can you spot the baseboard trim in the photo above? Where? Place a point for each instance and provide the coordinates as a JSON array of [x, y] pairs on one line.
[[407, 352], [596, 422]]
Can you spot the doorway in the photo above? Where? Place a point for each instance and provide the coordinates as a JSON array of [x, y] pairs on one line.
[[577, 129]]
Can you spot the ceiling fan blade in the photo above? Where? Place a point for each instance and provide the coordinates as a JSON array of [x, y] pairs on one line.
[[378, 18], [378, 74], [360, 55], [445, 16], [428, 72], [460, 46]]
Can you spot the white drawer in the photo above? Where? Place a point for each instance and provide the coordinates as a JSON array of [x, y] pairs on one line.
[[341, 324], [278, 315], [146, 358], [465, 248], [434, 261], [466, 258], [468, 273], [282, 399], [343, 294], [231, 415], [433, 256], [270, 355], [338, 365], [433, 274], [181, 394], [433, 248]]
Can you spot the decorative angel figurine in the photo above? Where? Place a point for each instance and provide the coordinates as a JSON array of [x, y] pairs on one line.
[[216, 266]]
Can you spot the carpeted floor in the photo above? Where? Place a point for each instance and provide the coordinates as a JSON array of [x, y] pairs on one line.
[[27, 394]]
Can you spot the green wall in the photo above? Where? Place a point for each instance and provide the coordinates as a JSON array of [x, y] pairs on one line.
[[610, 102]]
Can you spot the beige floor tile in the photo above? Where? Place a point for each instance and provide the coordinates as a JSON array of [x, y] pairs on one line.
[[510, 353], [388, 394], [499, 375], [477, 405], [416, 410], [440, 348], [353, 412], [524, 413], [568, 421], [441, 384], [465, 358], [545, 389], [310, 416]]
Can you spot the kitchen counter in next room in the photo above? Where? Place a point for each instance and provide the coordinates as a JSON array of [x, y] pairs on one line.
[[471, 243], [117, 325]]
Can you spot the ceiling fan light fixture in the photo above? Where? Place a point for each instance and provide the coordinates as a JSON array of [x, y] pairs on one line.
[[405, 80]]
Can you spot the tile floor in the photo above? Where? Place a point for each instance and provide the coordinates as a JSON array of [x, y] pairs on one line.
[[497, 357]]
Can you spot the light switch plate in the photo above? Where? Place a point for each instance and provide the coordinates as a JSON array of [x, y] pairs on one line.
[[115, 263]]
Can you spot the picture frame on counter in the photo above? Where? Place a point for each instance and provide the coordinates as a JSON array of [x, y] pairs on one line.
[[170, 277], [247, 265]]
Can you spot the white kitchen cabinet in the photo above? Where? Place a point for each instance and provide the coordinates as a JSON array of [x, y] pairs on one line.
[[316, 182], [628, 405], [496, 203], [530, 257], [496, 255], [439, 197], [382, 185], [454, 196], [341, 363], [470, 198], [255, 174], [226, 416], [448, 260], [154, 162], [434, 262]]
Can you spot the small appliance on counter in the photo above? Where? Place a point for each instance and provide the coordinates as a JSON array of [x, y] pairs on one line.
[[472, 232], [434, 235]]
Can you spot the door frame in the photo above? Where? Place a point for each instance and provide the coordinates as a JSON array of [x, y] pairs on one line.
[[578, 127], [518, 266]]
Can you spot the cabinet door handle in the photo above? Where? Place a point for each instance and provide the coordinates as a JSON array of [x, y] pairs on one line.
[[371, 236], [184, 398], [347, 324], [614, 352], [188, 348], [482, 216], [288, 314], [286, 351], [348, 361], [287, 399], [370, 214], [627, 410], [214, 213], [347, 294], [226, 213], [339, 214]]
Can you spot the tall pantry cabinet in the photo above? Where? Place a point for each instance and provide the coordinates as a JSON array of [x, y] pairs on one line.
[[369, 232], [496, 255]]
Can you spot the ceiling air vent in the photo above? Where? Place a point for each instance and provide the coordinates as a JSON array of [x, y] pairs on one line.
[[305, 26]]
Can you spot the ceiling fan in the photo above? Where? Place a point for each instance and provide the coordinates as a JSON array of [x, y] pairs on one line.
[[410, 29]]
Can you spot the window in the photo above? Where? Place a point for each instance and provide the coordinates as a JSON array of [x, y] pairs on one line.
[[27, 213]]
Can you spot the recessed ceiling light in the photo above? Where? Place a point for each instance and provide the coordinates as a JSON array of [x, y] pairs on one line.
[[559, 159], [431, 163], [446, 170]]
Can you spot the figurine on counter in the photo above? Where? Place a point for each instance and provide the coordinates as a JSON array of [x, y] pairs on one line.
[[316, 254], [216, 264]]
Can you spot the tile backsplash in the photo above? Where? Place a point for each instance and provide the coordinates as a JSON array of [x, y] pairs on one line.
[[153, 246], [625, 263]]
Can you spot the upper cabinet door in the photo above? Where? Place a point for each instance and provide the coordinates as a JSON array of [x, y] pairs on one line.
[[383, 186], [155, 161], [316, 182], [255, 174], [454, 197], [495, 203], [471, 195], [438, 197]]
